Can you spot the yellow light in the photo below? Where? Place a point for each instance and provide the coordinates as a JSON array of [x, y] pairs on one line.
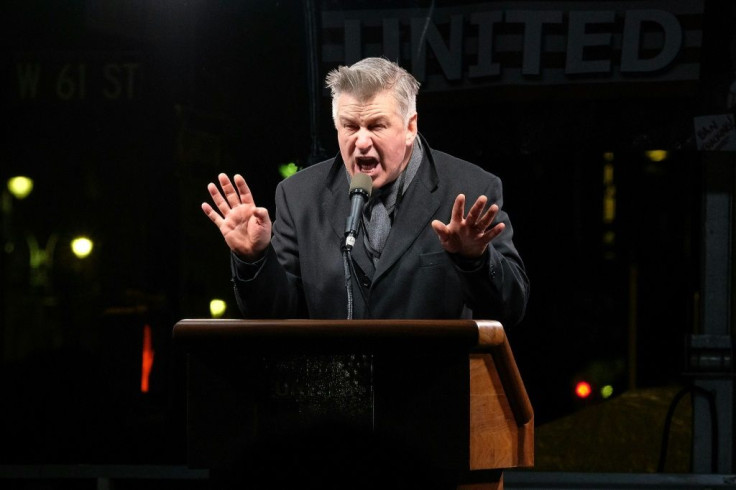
[[82, 247], [217, 308], [609, 205], [609, 194], [656, 155], [608, 156], [608, 174], [20, 186], [607, 391]]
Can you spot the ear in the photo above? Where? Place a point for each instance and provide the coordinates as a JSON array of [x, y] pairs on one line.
[[411, 129]]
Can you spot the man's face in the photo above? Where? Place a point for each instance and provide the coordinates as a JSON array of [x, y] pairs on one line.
[[373, 138]]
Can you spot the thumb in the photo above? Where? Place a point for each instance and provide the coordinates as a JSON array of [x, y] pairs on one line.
[[261, 214], [440, 228]]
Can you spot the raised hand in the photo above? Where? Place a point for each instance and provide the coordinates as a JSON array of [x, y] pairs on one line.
[[245, 227], [469, 235]]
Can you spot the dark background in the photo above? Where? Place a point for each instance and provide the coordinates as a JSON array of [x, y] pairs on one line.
[[204, 87]]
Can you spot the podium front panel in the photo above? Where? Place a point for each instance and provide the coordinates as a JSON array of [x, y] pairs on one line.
[[411, 409]]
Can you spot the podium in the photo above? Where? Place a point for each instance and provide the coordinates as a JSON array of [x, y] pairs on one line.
[[354, 403]]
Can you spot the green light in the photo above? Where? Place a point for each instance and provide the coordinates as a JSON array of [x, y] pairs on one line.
[[82, 247], [217, 308], [288, 169], [607, 391], [20, 186]]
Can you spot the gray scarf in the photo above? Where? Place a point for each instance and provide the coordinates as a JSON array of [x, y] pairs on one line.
[[379, 213]]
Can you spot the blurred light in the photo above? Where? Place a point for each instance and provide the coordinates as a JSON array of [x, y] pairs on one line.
[[288, 169], [607, 391], [609, 205], [217, 308], [20, 186], [609, 194], [82, 247], [656, 155], [608, 156], [147, 362], [583, 389], [608, 174]]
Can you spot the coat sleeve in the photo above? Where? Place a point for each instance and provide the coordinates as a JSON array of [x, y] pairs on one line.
[[496, 287], [272, 287]]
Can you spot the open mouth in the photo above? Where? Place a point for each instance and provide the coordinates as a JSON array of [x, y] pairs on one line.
[[366, 164]]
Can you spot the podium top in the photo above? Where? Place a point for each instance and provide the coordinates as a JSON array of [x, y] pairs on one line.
[[473, 334]]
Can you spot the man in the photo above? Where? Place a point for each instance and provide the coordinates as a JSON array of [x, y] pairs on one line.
[[420, 254]]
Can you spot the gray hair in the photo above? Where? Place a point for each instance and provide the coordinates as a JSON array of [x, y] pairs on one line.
[[370, 76]]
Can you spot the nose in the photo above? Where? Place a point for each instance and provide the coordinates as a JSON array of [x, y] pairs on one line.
[[364, 142]]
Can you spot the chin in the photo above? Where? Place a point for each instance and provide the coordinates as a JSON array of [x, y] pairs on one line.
[[371, 173]]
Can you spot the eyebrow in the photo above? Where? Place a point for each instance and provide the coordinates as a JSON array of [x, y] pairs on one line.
[[367, 120]]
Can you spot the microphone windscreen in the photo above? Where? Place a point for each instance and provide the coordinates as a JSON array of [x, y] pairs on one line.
[[361, 181]]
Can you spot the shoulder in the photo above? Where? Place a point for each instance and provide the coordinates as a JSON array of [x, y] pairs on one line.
[[310, 177], [453, 169]]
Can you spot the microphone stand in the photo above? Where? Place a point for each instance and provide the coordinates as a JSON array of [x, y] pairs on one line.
[[349, 267], [347, 259]]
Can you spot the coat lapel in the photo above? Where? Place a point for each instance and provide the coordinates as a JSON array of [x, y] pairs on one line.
[[418, 206], [339, 199]]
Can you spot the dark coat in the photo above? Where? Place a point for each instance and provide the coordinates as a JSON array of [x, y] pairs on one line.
[[302, 275]]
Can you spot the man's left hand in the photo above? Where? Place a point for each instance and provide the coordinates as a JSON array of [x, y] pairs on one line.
[[469, 236]]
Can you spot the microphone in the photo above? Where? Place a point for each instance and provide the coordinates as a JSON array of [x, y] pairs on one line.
[[360, 191]]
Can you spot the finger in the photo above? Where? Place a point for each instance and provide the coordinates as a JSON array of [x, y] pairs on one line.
[[488, 217], [489, 235], [475, 211], [458, 209], [211, 214], [246, 196], [228, 189], [217, 198]]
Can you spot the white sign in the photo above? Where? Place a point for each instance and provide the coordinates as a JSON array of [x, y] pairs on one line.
[[716, 132]]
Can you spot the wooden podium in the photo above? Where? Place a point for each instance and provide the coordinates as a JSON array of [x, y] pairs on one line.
[[354, 403]]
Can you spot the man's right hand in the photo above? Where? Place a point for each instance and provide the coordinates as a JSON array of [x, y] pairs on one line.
[[245, 227]]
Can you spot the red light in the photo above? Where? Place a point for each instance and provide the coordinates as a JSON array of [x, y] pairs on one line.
[[147, 361], [583, 389]]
